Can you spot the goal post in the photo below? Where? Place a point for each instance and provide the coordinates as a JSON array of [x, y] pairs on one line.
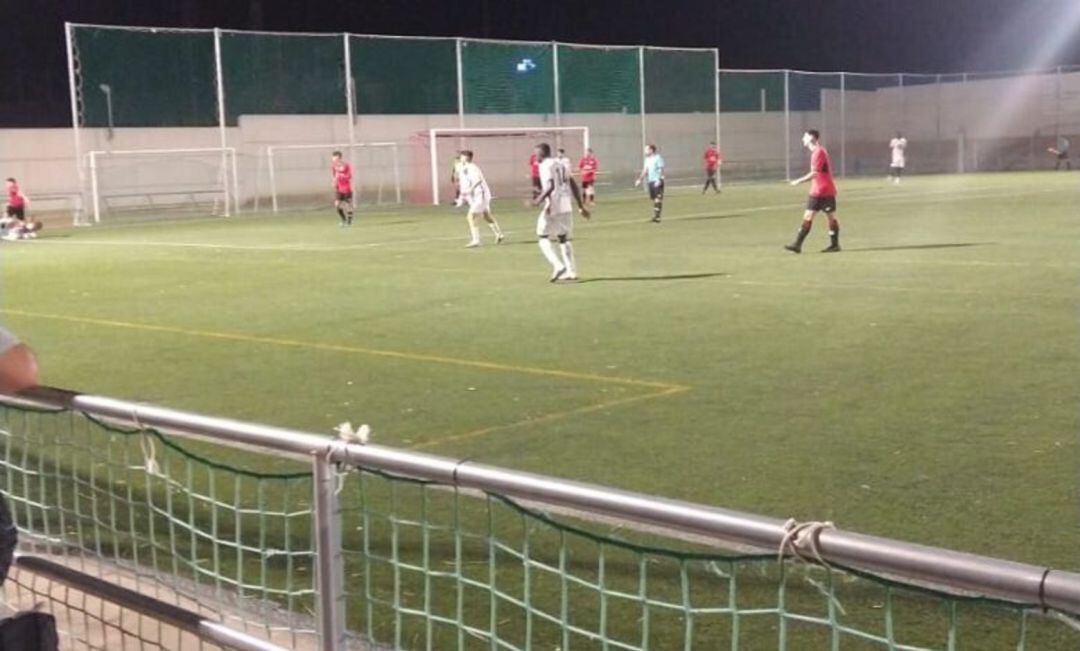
[[303, 171], [531, 134], [163, 180]]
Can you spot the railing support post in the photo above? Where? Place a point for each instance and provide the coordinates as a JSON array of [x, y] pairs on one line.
[[330, 569]]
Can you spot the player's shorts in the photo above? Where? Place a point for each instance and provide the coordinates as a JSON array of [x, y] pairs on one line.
[[536, 183], [821, 204], [479, 203], [344, 196], [896, 170], [710, 173], [1063, 155], [18, 212], [555, 224], [656, 190], [588, 184]]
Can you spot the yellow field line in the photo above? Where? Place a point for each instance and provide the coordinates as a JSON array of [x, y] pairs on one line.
[[553, 416], [376, 352]]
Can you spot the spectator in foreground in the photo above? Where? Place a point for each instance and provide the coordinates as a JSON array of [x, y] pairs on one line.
[[18, 366]]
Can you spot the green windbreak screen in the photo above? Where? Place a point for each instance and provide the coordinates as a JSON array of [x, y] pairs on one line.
[[599, 80], [153, 78], [507, 77], [680, 81], [280, 74], [751, 91], [403, 75]]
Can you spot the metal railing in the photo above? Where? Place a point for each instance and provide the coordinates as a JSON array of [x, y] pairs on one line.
[[909, 563]]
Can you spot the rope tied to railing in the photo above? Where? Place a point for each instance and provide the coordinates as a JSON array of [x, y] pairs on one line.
[[802, 537]]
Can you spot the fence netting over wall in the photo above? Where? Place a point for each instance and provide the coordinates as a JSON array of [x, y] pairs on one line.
[[430, 566]]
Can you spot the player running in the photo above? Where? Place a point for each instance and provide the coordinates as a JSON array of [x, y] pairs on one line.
[[712, 163], [341, 172], [534, 175], [588, 165], [653, 172], [556, 218], [475, 190], [822, 194], [898, 145]]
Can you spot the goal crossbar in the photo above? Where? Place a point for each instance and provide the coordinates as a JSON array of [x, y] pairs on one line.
[[271, 168], [230, 186], [450, 132]]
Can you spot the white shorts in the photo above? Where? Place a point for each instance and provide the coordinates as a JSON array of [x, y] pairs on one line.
[[479, 204], [555, 225]]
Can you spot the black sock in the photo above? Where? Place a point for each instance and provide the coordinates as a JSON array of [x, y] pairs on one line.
[[834, 234], [804, 230], [341, 213], [348, 216]]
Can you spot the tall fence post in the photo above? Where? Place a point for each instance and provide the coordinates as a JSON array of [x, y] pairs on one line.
[[641, 92], [787, 124], [76, 114], [843, 125], [223, 134], [330, 567], [555, 82], [350, 92], [460, 84]]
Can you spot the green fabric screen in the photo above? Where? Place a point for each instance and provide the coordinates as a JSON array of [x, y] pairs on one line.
[[599, 80], [680, 81], [156, 78], [404, 75], [507, 77]]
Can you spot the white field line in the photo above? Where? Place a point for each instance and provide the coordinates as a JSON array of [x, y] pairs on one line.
[[300, 248]]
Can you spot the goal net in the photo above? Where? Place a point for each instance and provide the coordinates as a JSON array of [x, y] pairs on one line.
[[299, 175], [503, 154], [162, 183]]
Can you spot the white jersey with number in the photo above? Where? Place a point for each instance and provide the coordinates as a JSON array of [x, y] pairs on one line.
[[898, 145], [554, 170]]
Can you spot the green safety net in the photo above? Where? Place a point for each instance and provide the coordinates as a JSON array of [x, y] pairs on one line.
[[404, 75], [751, 91], [680, 81], [507, 78], [154, 78], [282, 74], [432, 567], [599, 80]]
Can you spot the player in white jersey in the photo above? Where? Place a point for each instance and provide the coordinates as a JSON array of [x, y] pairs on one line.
[[898, 144], [475, 191], [555, 221]]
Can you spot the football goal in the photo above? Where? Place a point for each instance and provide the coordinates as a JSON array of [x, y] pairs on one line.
[[161, 183], [300, 174], [503, 154]]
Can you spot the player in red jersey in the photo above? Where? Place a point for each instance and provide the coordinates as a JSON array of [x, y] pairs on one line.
[[712, 162], [534, 175], [14, 222], [341, 172], [822, 194], [588, 166]]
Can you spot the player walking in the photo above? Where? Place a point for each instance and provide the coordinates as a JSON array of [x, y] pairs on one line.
[[588, 165], [556, 218], [712, 162], [475, 190], [653, 172], [534, 175], [898, 144], [341, 172], [822, 194]]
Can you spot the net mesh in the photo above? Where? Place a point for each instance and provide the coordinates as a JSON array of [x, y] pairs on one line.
[[282, 74], [301, 177], [508, 78], [429, 566], [680, 107], [404, 76], [155, 78], [752, 124]]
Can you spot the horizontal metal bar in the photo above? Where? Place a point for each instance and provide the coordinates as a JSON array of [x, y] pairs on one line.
[[918, 564], [171, 615]]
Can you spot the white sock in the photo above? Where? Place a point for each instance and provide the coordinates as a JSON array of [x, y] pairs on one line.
[[568, 257], [475, 232], [549, 252]]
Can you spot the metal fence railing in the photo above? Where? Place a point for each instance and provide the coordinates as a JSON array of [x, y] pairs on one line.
[[368, 546]]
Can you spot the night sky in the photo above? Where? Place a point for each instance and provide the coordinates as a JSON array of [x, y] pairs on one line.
[[852, 35]]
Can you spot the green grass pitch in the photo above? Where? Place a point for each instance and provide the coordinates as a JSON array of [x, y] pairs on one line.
[[922, 384]]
